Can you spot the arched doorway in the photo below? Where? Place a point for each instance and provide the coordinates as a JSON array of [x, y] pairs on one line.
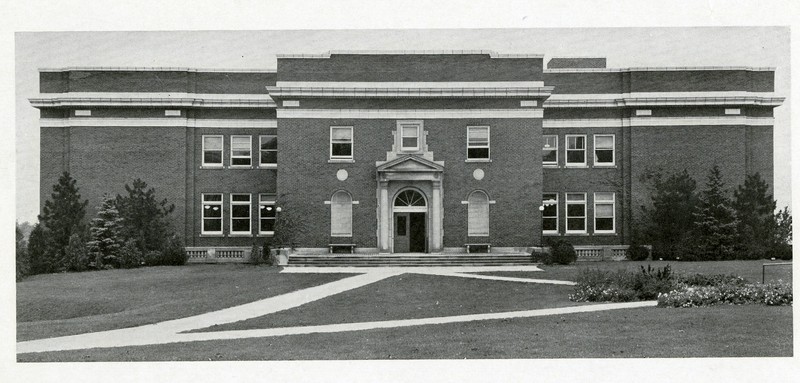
[[410, 222]]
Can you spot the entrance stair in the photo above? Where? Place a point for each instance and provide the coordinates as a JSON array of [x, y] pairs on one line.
[[409, 260]]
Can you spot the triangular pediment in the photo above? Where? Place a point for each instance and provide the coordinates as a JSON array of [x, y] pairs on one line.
[[410, 163]]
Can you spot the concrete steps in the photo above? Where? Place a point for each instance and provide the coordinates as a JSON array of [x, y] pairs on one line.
[[409, 260]]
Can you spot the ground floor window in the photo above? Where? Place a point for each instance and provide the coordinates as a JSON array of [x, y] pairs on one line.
[[478, 214], [212, 214], [603, 212], [266, 214], [550, 213], [341, 214], [240, 214], [576, 212]]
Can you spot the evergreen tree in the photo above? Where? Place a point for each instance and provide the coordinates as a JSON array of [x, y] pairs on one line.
[[105, 235], [144, 218], [37, 250], [667, 224], [23, 264], [783, 227], [755, 210], [61, 216], [715, 221], [76, 257]]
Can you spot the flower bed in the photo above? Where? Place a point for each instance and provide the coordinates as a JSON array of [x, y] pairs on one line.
[[771, 294]]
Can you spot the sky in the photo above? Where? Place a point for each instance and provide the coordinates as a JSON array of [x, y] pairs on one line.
[[623, 47]]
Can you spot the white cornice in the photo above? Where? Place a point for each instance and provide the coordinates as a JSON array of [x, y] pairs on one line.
[[156, 122], [659, 69], [409, 84], [410, 113], [156, 69], [657, 121], [89, 99], [328, 54], [438, 92], [610, 100]]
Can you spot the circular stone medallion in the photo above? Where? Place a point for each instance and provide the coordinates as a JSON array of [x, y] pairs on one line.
[[341, 174], [478, 174]]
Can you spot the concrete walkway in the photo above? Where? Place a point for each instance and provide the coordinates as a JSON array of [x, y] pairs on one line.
[[173, 331]]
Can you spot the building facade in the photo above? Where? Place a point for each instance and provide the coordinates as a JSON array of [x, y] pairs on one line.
[[396, 152]]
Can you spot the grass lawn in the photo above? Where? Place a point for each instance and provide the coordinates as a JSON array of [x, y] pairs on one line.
[[750, 270], [411, 296], [718, 331], [72, 303]]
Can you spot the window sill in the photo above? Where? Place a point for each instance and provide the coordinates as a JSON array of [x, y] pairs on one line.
[[605, 234], [267, 234], [605, 166], [212, 167], [212, 235], [576, 166], [551, 234], [580, 234], [268, 166], [478, 160], [240, 167], [553, 166], [240, 235], [341, 161]]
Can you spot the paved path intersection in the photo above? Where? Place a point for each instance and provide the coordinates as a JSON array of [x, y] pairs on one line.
[[173, 331]]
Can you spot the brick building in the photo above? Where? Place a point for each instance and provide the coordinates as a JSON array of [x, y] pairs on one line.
[[396, 152]]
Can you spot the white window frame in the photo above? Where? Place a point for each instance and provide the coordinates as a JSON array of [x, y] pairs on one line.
[[261, 151], [249, 205], [472, 231], [404, 148], [330, 143], [221, 151], [556, 216], [488, 144], [613, 203], [266, 200], [613, 150], [554, 149], [567, 150], [249, 156], [211, 204], [567, 217]]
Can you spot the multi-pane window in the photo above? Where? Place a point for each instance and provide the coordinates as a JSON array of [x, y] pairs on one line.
[[550, 150], [478, 214], [603, 212], [576, 150], [212, 214], [266, 214], [341, 214], [576, 212], [550, 213], [241, 150], [478, 142], [341, 142], [604, 150], [409, 137], [212, 150], [240, 214], [268, 148]]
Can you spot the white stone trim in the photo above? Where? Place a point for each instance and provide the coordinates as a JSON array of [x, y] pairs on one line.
[[173, 100], [172, 112], [328, 54], [659, 69], [409, 84], [528, 103], [605, 100], [155, 69], [410, 113], [584, 123], [83, 112], [657, 121], [437, 92], [156, 122], [291, 103], [644, 112]]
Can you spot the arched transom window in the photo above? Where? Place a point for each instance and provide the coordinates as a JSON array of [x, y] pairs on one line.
[[409, 198]]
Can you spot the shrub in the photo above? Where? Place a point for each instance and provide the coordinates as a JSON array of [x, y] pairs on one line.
[[772, 294], [256, 256], [622, 285], [76, 258], [266, 253], [130, 256], [543, 256], [37, 250], [711, 279], [562, 252], [781, 251], [153, 258], [23, 262], [174, 253], [638, 253]]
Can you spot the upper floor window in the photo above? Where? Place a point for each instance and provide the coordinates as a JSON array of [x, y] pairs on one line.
[[341, 214], [266, 214], [478, 214], [409, 137], [550, 150], [212, 150], [478, 142], [604, 150], [576, 150], [603, 212], [576, 212], [342, 142], [268, 148], [241, 150], [550, 213], [212, 214], [240, 214]]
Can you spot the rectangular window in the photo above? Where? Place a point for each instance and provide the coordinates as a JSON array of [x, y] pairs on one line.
[[341, 142], [576, 150], [241, 150], [212, 214], [603, 212], [212, 151], [576, 213], [550, 213], [550, 150], [478, 142], [604, 150], [409, 137], [268, 147], [266, 214], [240, 214]]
